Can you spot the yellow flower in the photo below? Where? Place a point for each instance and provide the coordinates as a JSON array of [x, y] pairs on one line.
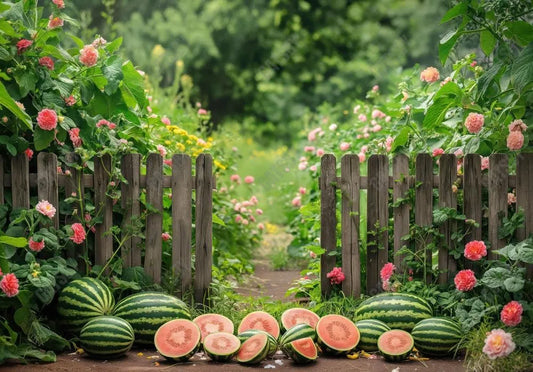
[[219, 165], [35, 273], [158, 51], [167, 142], [180, 147]]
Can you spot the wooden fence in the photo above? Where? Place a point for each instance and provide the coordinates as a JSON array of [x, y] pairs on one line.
[[379, 183], [48, 184]]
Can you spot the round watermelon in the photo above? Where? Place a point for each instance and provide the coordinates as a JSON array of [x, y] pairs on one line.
[[107, 337]]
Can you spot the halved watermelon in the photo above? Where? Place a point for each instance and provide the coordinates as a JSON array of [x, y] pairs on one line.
[[213, 323], [395, 345], [221, 346], [297, 315], [301, 351], [336, 334], [262, 321], [297, 332], [254, 349], [272, 342], [178, 339]]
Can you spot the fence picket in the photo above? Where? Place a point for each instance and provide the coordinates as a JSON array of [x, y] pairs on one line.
[[498, 188], [20, 181], [71, 184], [2, 195], [400, 171], [447, 198], [350, 219], [328, 219], [154, 217], [472, 194], [424, 204], [103, 241], [524, 198], [130, 194], [47, 188]]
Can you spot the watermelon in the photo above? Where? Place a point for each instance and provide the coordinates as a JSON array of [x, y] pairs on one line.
[[147, 311], [395, 345], [370, 331], [301, 351], [297, 332], [178, 339], [254, 349], [437, 336], [212, 323], [294, 316], [397, 310], [272, 342], [336, 334], [106, 337], [262, 321], [221, 346], [82, 300]]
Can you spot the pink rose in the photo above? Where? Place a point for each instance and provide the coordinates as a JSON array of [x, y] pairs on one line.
[[474, 122], [475, 250], [344, 146], [386, 271], [45, 208], [88, 55], [36, 246], [511, 314], [430, 75], [10, 285], [78, 233], [47, 119], [498, 344]]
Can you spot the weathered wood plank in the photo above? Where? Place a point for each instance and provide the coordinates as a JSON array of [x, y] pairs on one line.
[[154, 217], [472, 195], [47, 188], [182, 220], [424, 205], [20, 181], [400, 171], [377, 220], [103, 240], [447, 198], [73, 185], [350, 219], [328, 220], [130, 199], [498, 189], [524, 198], [204, 227], [2, 194]]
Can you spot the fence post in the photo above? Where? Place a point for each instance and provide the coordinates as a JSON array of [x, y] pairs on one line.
[[204, 225], [447, 198], [328, 219], [154, 217], [498, 188], [103, 241], [524, 198], [182, 219], [47, 188], [20, 181], [350, 219], [130, 194], [472, 194], [401, 212], [424, 205]]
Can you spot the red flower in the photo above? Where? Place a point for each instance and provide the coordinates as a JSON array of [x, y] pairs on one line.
[[437, 152], [511, 314], [474, 250], [60, 3], [165, 236], [10, 285], [386, 271], [74, 134], [78, 231], [23, 45], [54, 22], [88, 55], [336, 276], [465, 280], [36, 246], [47, 119], [70, 100], [47, 62], [29, 153]]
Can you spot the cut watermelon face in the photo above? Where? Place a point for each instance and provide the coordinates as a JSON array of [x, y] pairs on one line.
[[292, 317], [178, 339], [254, 349], [336, 334], [262, 321], [221, 346], [213, 323], [395, 345], [302, 351]]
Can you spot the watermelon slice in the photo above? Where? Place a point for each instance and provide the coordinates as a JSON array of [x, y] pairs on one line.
[[254, 349], [395, 345], [336, 334], [178, 339], [213, 323], [301, 351], [294, 316], [262, 321], [221, 346]]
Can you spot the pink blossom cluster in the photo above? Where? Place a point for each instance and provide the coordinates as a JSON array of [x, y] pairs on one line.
[[515, 139], [9, 284], [247, 211], [430, 75], [498, 343], [336, 276], [105, 123], [312, 135]]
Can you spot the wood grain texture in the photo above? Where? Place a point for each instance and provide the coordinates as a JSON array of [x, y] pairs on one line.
[[328, 220], [47, 187], [524, 198], [2, 181], [498, 189], [130, 199], [20, 181], [400, 171], [103, 241], [154, 217], [472, 194], [73, 184], [448, 199], [424, 204]]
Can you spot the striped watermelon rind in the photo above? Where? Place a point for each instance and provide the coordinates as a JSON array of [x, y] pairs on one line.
[[370, 330], [261, 354], [437, 336], [291, 349], [194, 336], [107, 337], [397, 310], [272, 342], [326, 339], [82, 300], [216, 355], [297, 332], [399, 355], [147, 311]]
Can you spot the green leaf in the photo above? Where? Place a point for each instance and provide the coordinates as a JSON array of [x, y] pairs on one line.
[[133, 87], [45, 294], [454, 12], [446, 45], [436, 112], [45, 337], [114, 45], [472, 145], [488, 78], [26, 81], [113, 72], [522, 70], [520, 31], [449, 89], [79, 42], [514, 284], [42, 138], [9, 103], [495, 277], [487, 41], [15, 242], [218, 220], [401, 139], [4, 54], [23, 318]]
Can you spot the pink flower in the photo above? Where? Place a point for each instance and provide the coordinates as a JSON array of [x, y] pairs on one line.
[[430, 75], [238, 218], [102, 123], [498, 344], [377, 114], [484, 162], [47, 62], [70, 100], [386, 285], [465, 280], [376, 128], [245, 221], [388, 143], [249, 179], [320, 152], [386, 271], [438, 152], [474, 122], [45, 208], [517, 126], [375, 88], [36, 246], [302, 165], [60, 3], [165, 236], [296, 202], [202, 111], [362, 157], [336, 276], [29, 153], [55, 22], [162, 150], [313, 168], [362, 117], [88, 55], [344, 146], [20, 105], [78, 233], [98, 42], [511, 198], [515, 140], [253, 200], [473, 64], [260, 226], [458, 153], [259, 211], [475, 250], [511, 314], [165, 120], [235, 178], [309, 149], [111, 125], [312, 254], [47, 119], [23, 45], [10, 285], [302, 190], [87, 217], [74, 135], [168, 162]]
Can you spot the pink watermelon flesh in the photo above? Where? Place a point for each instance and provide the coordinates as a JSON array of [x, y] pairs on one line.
[[305, 347], [337, 332], [262, 321], [292, 317], [177, 338], [395, 342], [213, 323], [221, 343], [252, 346]]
